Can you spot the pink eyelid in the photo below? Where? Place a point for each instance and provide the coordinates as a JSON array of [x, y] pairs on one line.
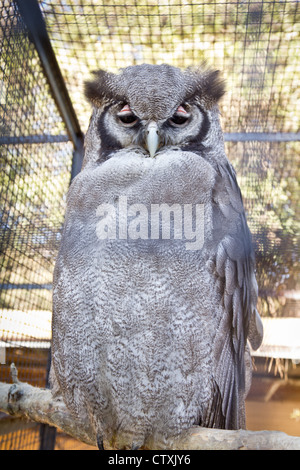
[[126, 109], [181, 110]]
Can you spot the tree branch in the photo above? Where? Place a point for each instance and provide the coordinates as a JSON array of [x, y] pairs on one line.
[[23, 400], [37, 404]]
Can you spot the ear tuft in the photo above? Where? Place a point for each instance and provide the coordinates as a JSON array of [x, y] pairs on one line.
[[99, 91], [206, 86], [214, 85]]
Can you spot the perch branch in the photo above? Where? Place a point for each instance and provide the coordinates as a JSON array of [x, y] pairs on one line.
[[36, 404]]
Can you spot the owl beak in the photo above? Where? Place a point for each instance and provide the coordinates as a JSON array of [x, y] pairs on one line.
[[152, 138]]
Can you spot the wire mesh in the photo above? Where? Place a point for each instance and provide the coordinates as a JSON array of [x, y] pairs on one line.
[[25, 439], [34, 175], [256, 46], [253, 43]]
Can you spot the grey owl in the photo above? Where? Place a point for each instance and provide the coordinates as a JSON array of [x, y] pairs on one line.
[[154, 287]]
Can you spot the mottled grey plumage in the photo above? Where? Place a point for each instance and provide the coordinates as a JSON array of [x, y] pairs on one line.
[[149, 337]]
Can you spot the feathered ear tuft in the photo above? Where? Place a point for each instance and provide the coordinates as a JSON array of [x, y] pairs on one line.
[[206, 86], [100, 90], [214, 85]]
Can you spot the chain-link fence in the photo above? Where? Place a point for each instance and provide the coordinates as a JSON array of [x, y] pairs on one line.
[[256, 46]]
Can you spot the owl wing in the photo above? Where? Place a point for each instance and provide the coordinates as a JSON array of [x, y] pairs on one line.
[[234, 266]]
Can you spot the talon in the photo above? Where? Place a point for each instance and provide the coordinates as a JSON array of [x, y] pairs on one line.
[[100, 443]]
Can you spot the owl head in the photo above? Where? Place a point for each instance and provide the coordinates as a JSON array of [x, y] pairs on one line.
[[150, 108]]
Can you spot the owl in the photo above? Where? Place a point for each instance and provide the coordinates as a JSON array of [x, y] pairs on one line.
[[154, 297]]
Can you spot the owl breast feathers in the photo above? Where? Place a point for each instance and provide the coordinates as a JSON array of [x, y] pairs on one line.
[[154, 298]]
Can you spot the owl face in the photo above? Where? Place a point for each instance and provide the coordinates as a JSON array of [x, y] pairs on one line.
[[153, 135], [152, 107]]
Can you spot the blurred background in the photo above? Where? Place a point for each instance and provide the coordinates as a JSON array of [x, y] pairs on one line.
[[47, 50]]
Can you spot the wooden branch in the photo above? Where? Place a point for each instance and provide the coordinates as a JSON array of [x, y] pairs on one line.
[[36, 404]]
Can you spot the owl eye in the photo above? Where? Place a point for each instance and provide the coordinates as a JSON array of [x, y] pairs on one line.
[[179, 118], [127, 117]]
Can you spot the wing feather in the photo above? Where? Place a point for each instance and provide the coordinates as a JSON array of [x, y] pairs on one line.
[[234, 266]]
